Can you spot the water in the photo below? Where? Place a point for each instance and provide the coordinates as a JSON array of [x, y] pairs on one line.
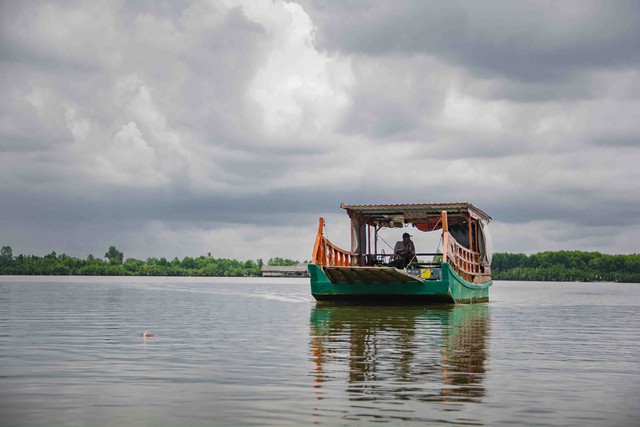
[[261, 352]]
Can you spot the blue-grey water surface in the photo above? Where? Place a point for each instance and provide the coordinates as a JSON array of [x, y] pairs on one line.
[[262, 352]]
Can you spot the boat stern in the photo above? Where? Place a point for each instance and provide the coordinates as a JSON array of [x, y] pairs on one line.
[[391, 285]]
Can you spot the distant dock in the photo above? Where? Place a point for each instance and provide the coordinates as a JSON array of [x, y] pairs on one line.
[[298, 270]]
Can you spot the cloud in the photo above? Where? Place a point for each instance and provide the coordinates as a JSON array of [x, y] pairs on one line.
[[229, 126], [527, 41]]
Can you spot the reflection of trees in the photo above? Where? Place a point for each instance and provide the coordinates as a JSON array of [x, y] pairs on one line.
[[402, 353]]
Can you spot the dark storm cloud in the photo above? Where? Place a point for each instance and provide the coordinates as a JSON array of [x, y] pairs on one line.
[[221, 65], [273, 208], [622, 141], [527, 41], [579, 210]]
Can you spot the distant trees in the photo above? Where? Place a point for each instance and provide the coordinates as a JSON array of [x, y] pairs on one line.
[[552, 266], [281, 262], [115, 265], [6, 255], [114, 256], [567, 266]]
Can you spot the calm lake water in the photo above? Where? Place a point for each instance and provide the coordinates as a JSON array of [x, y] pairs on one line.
[[262, 352]]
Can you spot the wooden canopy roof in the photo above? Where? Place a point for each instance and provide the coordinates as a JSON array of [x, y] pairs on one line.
[[413, 213]]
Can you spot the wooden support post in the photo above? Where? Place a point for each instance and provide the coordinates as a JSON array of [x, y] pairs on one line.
[[445, 236], [375, 241], [470, 233], [368, 250], [352, 232]]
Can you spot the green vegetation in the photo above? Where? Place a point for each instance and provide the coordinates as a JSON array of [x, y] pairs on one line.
[[281, 262], [551, 266], [116, 265], [567, 266]]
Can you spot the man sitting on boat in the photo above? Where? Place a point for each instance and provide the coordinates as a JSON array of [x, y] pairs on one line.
[[404, 252]]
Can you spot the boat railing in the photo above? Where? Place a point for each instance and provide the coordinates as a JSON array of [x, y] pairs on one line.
[[326, 254], [465, 262]]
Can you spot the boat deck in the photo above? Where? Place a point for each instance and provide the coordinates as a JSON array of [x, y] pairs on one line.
[[378, 275]]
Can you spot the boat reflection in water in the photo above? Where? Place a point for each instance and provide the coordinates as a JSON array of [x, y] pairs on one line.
[[401, 353]]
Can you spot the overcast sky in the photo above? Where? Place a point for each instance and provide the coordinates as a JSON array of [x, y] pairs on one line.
[[178, 128]]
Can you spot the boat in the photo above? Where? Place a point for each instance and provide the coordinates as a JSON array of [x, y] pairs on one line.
[[459, 273]]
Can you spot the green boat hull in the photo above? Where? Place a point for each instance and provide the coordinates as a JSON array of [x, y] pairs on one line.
[[372, 284]]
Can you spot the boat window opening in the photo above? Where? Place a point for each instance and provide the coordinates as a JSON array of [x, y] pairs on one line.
[[428, 244], [459, 232]]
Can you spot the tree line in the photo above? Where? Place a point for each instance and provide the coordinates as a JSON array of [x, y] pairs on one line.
[[114, 264], [544, 266], [566, 266]]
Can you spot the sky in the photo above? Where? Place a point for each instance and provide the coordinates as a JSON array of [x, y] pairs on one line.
[[181, 128]]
